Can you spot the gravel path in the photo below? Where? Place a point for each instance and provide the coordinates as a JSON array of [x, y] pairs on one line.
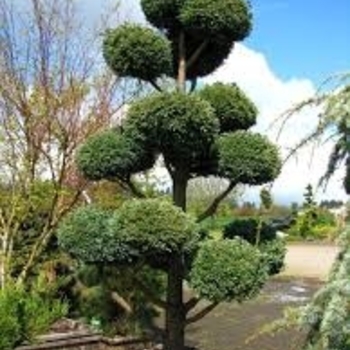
[[310, 260]]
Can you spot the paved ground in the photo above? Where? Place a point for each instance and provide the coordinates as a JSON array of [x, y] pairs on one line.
[[230, 326], [310, 260]]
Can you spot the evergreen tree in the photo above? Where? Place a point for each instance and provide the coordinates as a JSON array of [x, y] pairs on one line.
[[198, 133], [309, 201]]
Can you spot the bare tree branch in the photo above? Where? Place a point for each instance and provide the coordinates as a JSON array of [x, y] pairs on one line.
[[191, 304], [155, 85], [134, 190], [193, 85], [202, 313], [119, 300], [193, 59], [53, 95], [150, 294], [216, 202]]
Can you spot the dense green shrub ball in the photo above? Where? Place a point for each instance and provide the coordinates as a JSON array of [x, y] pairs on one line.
[[247, 229], [232, 107], [86, 235], [137, 52], [228, 270], [273, 253], [212, 56], [227, 18], [206, 163], [163, 14], [178, 125], [154, 227], [272, 248], [248, 158], [110, 155]]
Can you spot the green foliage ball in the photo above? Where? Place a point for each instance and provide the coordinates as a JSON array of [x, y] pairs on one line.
[[86, 234], [212, 57], [226, 18], [248, 158], [110, 155], [273, 249], [134, 51], [179, 126], [163, 14], [228, 270], [274, 253], [206, 163], [232, 107], [154, 227]]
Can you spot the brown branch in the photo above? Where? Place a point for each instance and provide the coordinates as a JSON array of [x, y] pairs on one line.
[[119, 300], [204, 312], [181, 77], [193, 85], [134, 190], [216, 202], [169, 168], [192, 60], [191, 304], [46, 234], [155, 85]]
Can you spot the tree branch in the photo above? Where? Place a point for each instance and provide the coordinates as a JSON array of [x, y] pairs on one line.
[[181, 77], [192, 60], [134, 190], [119, 300], [150, 294], [155, 85], [216, 202], [199, 315], [193, 85], [191, 304]]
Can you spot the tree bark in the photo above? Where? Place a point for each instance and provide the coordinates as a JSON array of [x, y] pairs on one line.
[[211, 210], [181, 78], [180, 181], [175, 319], [175, 314]]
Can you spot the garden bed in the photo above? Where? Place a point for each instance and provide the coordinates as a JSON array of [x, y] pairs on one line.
[[87, 341]]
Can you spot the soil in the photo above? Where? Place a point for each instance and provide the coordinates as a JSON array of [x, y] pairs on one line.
[[238, 327]]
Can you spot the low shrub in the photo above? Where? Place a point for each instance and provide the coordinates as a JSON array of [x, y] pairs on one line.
[[248, 229], [25, 314], [241, 279], [273, 249], [274, 253], [316, 224]]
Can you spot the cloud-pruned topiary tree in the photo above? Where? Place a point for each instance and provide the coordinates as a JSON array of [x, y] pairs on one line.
[[198, 133]]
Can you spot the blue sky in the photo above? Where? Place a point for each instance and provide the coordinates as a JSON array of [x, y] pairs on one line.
[[299, 38], [307, 38]]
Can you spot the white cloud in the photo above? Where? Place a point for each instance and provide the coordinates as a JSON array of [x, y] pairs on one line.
[[274, 96]]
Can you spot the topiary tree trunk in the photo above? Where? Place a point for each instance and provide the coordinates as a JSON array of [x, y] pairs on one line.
[[175, 313]]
